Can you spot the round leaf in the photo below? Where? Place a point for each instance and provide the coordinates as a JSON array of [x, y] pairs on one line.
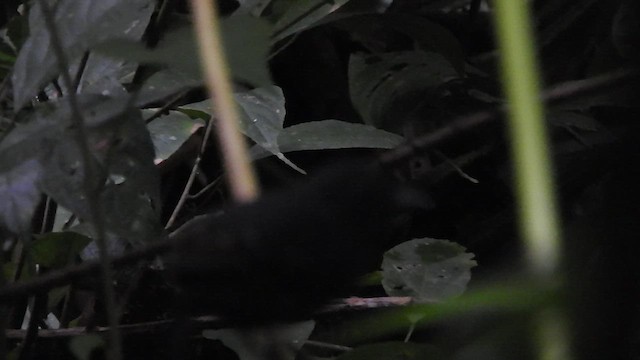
[[429, 270]]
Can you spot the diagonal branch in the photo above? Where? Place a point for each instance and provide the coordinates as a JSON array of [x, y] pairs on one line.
[[562, 92]]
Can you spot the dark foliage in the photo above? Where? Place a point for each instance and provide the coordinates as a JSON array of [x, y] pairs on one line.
[[389, 73]]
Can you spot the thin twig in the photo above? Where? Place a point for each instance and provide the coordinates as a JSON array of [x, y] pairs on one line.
[[206, 188], [194, 171], [578, 88], [114, 351], [168, 106], [78, 77], [185, 192], [48, 216], [412, 328], [457, 168], [328, 346]]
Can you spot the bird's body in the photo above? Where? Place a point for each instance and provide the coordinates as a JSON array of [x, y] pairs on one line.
[[285, 255]]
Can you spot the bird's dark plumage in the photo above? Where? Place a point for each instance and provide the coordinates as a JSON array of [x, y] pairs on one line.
[[285, 255]]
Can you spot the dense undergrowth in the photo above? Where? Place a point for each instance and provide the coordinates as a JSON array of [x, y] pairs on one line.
[[104, 122]]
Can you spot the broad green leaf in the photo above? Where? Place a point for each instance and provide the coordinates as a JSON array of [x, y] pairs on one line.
[[382, 86], [393, 350], [169, 132], [80, 24], [120, 145], [131, 196], [177, 40], [429, 270], [261, 114], [105, 76], [246, 42], [163, 85], [331, 134]]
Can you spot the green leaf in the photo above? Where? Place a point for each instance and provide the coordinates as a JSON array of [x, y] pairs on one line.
[[247, 44], [393, 350], [169, 132], [82, 346], [163, 85], [262, 114], [386, 86], [429, 270], [56, 250], [246, 41], [105, 76], [120, 145], [262, 117], [178, 40], [331, 134], [80, 25]]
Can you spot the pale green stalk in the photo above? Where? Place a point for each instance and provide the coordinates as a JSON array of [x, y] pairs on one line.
[[239, 170], [535, 192]]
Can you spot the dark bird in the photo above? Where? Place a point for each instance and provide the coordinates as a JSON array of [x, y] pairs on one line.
[[282, 257]]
